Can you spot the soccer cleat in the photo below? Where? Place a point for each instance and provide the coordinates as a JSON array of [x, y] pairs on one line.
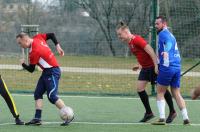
[[171, 117], [34, 121], [66, 123], [186, 122], [147, 117], [19, 122], [159, 122]]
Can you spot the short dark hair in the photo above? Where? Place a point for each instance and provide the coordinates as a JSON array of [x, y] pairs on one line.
[[21, 35], [122, 25], [163, 18]]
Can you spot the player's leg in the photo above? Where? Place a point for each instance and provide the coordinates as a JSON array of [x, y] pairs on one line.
[[163, 81], [51, 83], [9, 101], [161, 89], [168, 98], [172, 113], [181, 104], [143, 79], [145, 100], [38, 96], [175, 88]]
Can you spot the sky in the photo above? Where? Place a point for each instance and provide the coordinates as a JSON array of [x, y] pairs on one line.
[[47, 1]]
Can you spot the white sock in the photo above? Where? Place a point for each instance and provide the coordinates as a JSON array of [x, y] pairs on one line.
[[184, 114], [161, 108]]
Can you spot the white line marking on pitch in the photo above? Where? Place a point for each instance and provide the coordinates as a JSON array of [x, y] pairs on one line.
[[103, 123]]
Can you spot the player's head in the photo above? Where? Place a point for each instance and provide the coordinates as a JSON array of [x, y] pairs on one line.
[[23, 40], [161, 22], [123, 32]]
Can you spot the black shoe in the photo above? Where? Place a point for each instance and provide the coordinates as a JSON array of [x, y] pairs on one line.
[[66, 123], [159, 122], [171, 117], [147, 117], [34, 121], [186, 122], [19, 122]]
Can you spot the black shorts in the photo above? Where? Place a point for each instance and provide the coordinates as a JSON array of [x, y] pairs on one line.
[[148, 74]]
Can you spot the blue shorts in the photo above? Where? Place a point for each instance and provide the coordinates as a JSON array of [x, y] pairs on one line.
[[169, 77], [48, 82]]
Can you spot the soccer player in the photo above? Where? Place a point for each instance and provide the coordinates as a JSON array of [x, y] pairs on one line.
[[9, 101], [40, 54], [169, 70], [147, 60]]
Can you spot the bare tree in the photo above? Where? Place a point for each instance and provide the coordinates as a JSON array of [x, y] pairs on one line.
[[107, 13]]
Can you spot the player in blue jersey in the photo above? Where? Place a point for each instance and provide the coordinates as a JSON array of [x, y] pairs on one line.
[[169, 70]]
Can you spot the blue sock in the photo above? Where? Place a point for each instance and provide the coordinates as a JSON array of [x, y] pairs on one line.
[[38, 113]]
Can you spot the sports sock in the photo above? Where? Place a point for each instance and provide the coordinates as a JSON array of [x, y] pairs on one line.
[[161, 108], [184, 114], [38, 113], [145, 100], [169, 101]]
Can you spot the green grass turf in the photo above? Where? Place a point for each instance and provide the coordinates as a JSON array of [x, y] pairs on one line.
[[85, 83], [95, 110], [90, 83]]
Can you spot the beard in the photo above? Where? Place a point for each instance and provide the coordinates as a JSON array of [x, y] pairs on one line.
[[159, 30]]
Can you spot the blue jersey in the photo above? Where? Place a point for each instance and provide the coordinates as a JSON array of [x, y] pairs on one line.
[[167, 43]]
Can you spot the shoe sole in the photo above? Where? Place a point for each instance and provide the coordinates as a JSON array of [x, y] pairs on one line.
[[35, 124], [20, 124], [158, 123]]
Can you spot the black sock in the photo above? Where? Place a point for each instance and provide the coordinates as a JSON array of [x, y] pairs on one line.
[[145, 100], [38, 113], [169, 101]]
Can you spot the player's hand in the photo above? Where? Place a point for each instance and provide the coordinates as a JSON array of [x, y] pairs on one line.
[[22, 60], [60, 50], [156, 69], [165, 55], [136, 67]]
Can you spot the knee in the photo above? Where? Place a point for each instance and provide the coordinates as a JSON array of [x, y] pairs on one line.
[[52, 99], [139, 89]]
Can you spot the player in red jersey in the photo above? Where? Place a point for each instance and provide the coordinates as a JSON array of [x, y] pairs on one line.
[[40, 54], [147, 60]]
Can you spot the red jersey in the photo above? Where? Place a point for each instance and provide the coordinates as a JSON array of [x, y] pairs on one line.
[[41, 54], [137, 46]]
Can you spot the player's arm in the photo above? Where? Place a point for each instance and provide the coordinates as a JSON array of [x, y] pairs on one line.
[[153, 56], [165, 53], [52, 37], [55, 41], [167, 47], [30, 67]]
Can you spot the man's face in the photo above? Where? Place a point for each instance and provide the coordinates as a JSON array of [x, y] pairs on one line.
[[159, 25], [122, 34], [23, 42]]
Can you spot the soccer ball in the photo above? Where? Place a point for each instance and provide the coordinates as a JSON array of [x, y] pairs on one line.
[[66, 113]]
